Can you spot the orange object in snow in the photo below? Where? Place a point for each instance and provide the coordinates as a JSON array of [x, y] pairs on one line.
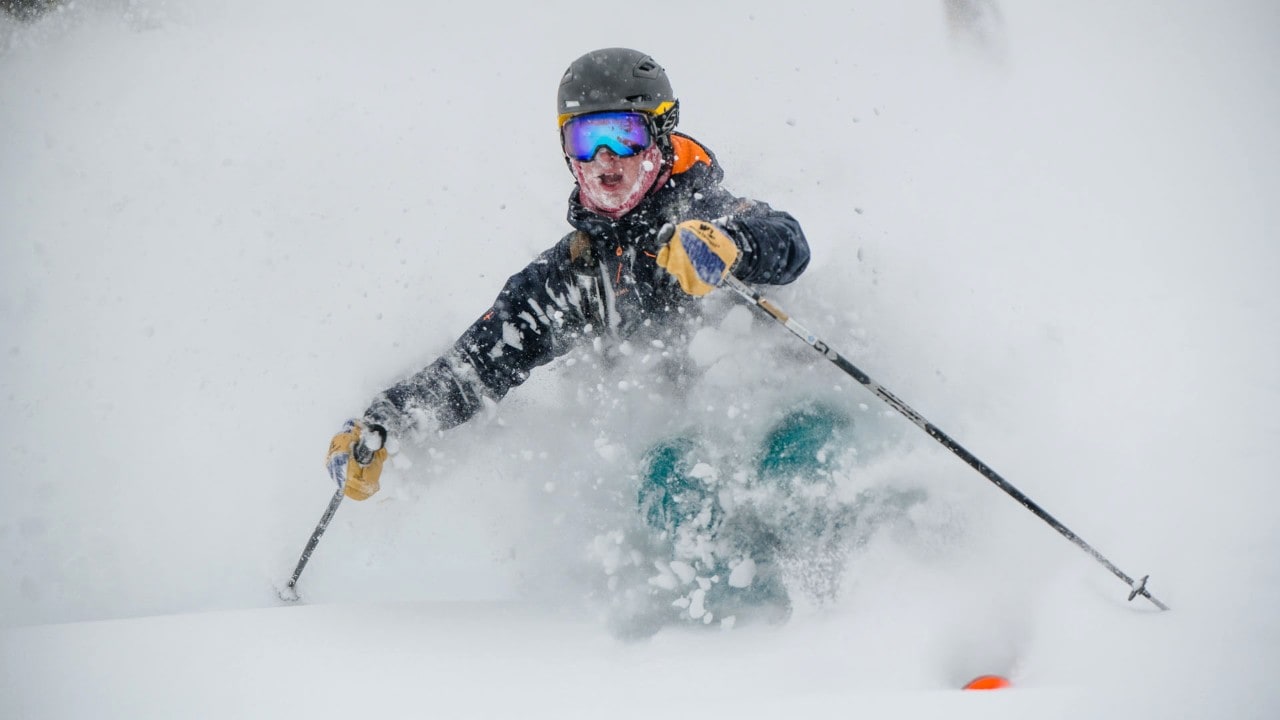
[[988, 682]]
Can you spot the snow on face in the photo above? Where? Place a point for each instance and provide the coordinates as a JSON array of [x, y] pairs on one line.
[[612, 185]]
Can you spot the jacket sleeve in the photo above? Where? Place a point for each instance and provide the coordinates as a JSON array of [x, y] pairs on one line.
[[536, 318], [774, 249]]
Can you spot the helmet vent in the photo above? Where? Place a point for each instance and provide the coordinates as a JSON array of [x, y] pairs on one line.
[[647, 68]]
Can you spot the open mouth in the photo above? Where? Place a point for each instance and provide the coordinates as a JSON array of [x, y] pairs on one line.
[[610, 180]]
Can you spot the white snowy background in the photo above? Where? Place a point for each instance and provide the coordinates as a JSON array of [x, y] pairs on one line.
[[225, 226]]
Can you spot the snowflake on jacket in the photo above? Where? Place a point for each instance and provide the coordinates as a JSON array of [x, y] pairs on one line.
[[599, 279]]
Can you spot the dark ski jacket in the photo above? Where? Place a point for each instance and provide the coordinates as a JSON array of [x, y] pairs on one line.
[[601, 280]]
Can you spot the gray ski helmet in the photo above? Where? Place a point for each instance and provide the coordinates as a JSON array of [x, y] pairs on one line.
[[617, 79]]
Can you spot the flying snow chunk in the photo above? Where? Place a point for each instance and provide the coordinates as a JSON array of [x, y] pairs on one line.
[[709, 345], [684, 571], [607, 450], [703, 471], [696, 607], [664, 580], [742, 574]]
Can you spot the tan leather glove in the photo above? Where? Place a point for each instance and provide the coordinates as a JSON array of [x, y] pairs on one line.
[[699, 254], [355, 459]]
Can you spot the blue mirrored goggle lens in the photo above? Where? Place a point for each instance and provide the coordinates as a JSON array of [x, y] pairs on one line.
[[624, 133]]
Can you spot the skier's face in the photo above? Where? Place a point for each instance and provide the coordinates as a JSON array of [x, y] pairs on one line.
[[613, 186]]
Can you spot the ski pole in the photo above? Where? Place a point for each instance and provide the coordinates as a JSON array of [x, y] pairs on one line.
[[290, 591], [1136, 587]]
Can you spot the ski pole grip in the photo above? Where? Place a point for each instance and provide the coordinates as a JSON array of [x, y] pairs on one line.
[[370, 442]]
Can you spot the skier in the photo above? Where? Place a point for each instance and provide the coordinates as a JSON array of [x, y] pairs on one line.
[[653, 232]]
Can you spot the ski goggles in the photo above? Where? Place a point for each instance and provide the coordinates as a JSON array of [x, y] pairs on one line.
[[624, 133]]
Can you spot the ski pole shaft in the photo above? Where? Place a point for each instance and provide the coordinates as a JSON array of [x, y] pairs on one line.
[[311, 545], [1136, 587]]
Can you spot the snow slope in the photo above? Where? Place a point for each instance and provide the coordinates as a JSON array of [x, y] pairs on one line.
[[223, 227]]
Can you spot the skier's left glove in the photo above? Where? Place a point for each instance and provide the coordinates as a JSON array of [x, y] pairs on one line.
[[355, 459], [698, 253]]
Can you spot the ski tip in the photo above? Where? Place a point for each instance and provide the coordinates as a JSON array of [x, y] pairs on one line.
[[988, 682]]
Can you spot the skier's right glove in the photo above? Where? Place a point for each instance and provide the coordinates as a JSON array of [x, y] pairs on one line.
[[355, 459]]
